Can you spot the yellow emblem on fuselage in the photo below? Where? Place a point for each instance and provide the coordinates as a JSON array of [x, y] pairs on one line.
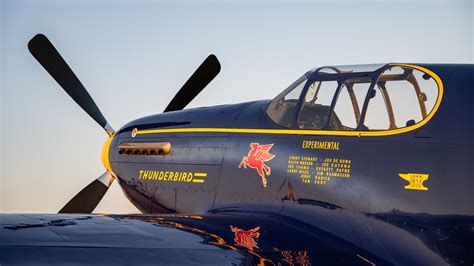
[[415, 181]]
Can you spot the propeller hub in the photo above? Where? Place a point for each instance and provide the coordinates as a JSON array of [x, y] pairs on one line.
[[105, 154]]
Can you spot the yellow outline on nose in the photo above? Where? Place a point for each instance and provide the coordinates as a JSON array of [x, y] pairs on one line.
[[105, 154]]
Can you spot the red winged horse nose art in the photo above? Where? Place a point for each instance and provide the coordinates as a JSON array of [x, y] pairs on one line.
[[258, 155]]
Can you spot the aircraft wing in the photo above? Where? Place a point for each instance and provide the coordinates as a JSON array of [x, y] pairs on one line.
[[215, 238]]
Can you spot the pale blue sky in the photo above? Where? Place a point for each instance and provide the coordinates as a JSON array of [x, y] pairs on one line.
[[133, 56]]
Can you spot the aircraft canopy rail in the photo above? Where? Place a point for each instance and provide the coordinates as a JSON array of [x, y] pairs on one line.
[[359, 98]]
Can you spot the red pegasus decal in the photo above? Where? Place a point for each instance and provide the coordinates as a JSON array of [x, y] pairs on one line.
[[245, 238], [256, 159]]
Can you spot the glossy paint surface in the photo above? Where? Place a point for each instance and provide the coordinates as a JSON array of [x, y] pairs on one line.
[[164, 239], [364, 204]]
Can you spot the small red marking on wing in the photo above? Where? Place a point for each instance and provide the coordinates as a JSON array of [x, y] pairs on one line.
[[246, 238]]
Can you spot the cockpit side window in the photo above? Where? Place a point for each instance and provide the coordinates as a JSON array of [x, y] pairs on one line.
[[317, 105], [350, 101], [284, 108]]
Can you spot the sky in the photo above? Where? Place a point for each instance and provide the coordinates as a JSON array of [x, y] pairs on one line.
[[133, 56]]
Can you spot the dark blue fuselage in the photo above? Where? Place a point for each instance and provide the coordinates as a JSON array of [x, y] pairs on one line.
[[348, 186]]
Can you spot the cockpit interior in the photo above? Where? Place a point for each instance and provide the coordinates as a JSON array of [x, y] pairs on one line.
[[356, 98]]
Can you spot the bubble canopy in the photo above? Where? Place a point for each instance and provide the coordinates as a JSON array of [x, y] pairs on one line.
[[372, 97]]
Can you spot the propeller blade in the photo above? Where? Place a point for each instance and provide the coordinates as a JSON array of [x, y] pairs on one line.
[[88, 198], [43, 50], [205, 73]]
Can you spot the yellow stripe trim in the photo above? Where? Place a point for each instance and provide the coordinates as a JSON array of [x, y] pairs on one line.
[[200, 174], [317, 132], [105, 154], [198, 180]]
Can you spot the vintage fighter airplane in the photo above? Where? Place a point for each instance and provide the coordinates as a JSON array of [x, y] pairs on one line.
[[369, 164]]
